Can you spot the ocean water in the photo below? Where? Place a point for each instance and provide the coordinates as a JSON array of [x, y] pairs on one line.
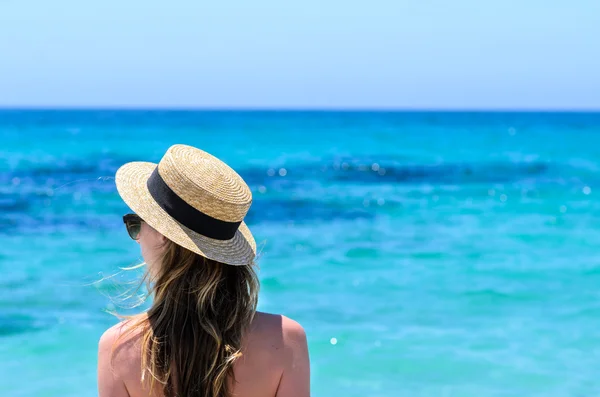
[[426, 254]]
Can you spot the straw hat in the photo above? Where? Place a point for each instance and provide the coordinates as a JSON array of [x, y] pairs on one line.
[[194, 200]]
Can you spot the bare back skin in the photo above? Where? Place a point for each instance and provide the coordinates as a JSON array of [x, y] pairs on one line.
[[275, 362]]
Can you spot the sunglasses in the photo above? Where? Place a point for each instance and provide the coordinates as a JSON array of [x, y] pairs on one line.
[[133, 223]]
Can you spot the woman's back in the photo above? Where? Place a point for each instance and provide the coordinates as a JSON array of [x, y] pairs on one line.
[[274, 362], [202, 336]]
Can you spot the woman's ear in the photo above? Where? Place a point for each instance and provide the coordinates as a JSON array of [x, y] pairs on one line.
[[162, 241]]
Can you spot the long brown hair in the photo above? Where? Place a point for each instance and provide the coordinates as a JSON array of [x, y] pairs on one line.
[[192, 334]]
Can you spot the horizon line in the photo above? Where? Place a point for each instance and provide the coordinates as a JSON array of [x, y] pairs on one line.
[[300, 109]]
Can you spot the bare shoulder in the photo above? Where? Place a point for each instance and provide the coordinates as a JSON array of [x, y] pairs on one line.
[[292, 329], [277, 330], [111, 335], [275, 324], [283, 342], [118, 359], [120, 346], [119, 334]]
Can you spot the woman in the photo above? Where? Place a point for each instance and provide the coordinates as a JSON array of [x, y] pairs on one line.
[[202, 335]]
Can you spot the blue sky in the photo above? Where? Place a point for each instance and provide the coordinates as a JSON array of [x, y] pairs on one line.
[[431, 54]]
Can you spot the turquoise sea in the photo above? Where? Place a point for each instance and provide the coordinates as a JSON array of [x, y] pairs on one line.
[[426, 254]]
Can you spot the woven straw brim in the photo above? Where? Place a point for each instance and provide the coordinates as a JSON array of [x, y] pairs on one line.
[[131, 182]]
